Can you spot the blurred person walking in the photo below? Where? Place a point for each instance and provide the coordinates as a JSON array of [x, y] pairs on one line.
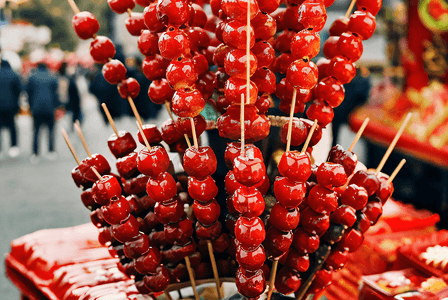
[[10, 89], [43, 98], [69, 93]]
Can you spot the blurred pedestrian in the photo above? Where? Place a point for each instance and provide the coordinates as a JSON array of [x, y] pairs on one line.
[[108, 94], [43, 98], [10, 89], [69, 90]]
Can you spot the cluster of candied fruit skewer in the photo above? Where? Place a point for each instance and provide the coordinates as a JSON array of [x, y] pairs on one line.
[[329, 200]]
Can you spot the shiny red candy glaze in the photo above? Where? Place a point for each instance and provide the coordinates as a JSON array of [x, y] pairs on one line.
[[345, 215], [85, 25], [263, 103], [248, 171], [312, 15], [174, 13], [206, 84], [371, 6], [215, 6], [127, 231], [160, 91], [299, 132], [158, 282], [250, 284], [257, 126], [150, 18], [114, 71], [183, 125], [143, 3], [321, 111], [221, 243], [288, 193], [220, 54], [330, 90], [251, 260], [96, 217], [149, 262], [362, 223], [367, 180], [96, 160], [268, 6], [336, 260], [384, 192], [286, 282], [249, 232], [277, 242], [351, 240], [151, 133], [87, 199], [305, 242], [137, 247], [285, 106], [233, 150], [322, 65], [330, 49], [264, 52], [169, 132], [208, 232], [154, 67], [179, 233], [342, 69], [235, 63], [338, 27], [161, 188], [106, 188], [181, 73], [314, 222], [373, 211], [136, 208], [222, 104], [207, 213], [231, 185], [235, 87], [295, 166], [266, 26], [282, 63], [135, 24], [203, 189], [265, 80], [105, 236], [248, 201], [117, 211], [200, 162], [200, 64], [331, 174], [284, 219], [120, 6], [305, 43], [322, 200], [198, 38], [154, 162], [350, 46], [237, 9], [129, 88], [363, 23], [151, 219], [169, 212], [148, 43], [200, 17], [297, 262], [302, 74], [355, 196], [291, 19], [323, 279], [346, 158], [174, 43], [284, 91], [234, 34], [102, 49], [187, 102]]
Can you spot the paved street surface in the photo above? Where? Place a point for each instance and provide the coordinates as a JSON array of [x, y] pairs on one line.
[[43, 195]]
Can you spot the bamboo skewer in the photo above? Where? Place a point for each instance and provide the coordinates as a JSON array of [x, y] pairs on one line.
[[349, 10], [82, 138], [109, 117], [243, 151], [308, 138], [395, 172], [215, 269], [191, 275], [291, 116], [74, 6], [392, 145], [134, 110], [272, 279], [70, 146], [359, 134], [168, 109], [193, 130], [148, 146]]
